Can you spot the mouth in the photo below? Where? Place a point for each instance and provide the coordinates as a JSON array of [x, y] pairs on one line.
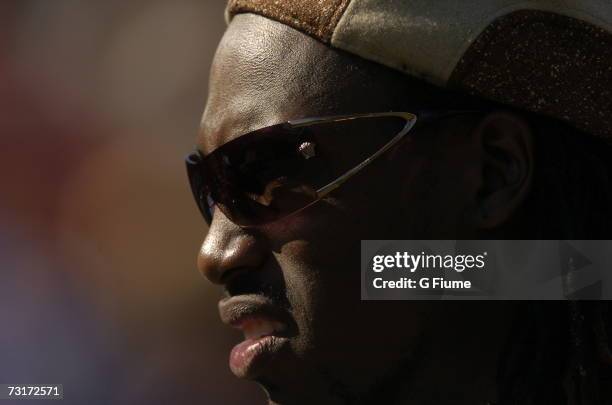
[[265, 327]]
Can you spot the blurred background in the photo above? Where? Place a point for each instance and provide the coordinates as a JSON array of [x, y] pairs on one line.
[[100, 102]]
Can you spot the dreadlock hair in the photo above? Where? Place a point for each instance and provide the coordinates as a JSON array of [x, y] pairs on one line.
[[559, 352]]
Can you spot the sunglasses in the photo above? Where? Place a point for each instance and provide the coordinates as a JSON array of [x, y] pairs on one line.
[[277, 171]]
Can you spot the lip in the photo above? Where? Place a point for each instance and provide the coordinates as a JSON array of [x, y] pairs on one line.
[[249, 357]]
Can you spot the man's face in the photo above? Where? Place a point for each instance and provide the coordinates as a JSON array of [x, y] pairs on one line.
[[297, 280]]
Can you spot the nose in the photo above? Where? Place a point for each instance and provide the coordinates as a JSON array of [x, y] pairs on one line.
[[228, 249]]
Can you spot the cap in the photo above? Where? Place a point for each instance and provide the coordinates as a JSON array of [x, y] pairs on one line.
[[552, 57]]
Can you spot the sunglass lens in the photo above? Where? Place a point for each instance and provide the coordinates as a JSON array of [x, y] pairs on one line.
[[273, 172]]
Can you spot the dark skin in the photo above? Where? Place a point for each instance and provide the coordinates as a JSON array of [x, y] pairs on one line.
[[462, 178]]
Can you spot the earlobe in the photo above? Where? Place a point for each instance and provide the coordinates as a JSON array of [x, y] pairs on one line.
[[506, 148]]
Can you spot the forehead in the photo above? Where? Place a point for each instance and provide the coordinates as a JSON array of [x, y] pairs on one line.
[[265, 73]]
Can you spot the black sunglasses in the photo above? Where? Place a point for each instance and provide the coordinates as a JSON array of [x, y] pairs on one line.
[[274, 172]]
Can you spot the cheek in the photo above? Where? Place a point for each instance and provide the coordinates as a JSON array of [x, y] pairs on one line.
[[338, 332], [362, 341], [319, 270], [434, 196]]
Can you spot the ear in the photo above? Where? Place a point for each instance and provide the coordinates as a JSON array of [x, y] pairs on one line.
[[505, 142]]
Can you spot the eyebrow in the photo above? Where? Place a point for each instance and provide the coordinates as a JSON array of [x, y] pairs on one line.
[[202, 145], [205, 149], [203, 142], [200, 150], [206, 144]]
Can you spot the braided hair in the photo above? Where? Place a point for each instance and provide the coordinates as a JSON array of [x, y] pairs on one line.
[[560, 351]]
